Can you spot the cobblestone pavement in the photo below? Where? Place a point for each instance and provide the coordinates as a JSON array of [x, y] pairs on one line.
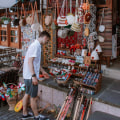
[[5, 114]]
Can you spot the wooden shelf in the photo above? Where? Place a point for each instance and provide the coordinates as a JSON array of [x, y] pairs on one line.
[[80, 67], [67, 57], [63, 48]]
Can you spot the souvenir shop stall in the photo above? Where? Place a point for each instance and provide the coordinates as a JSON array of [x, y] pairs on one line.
[[81, 40], [78, 51]]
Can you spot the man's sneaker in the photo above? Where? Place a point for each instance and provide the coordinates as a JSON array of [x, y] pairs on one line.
[[30, 115], [41, 118]]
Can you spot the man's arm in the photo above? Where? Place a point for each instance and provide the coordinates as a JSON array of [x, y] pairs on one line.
[[45, 74], [31, 67]]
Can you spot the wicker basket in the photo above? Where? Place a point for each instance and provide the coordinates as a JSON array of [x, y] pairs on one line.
[[12, 102], [62, 82]]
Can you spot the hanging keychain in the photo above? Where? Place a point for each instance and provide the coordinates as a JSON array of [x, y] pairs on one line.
[[88, 16], [87, 21]]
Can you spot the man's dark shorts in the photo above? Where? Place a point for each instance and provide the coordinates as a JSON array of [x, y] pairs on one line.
[[31, 89]]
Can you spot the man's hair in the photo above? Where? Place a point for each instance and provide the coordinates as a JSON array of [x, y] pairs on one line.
[[45, 33]]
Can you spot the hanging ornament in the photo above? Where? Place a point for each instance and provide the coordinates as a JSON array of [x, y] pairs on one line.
[[86, 32], [81, 13], [87, 18]]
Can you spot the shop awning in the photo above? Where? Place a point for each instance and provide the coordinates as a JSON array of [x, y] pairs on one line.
[[7, 3]]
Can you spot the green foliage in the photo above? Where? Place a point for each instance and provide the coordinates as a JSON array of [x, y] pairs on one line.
[[5, 18]]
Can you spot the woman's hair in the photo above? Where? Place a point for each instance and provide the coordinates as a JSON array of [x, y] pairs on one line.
[[45, 33]]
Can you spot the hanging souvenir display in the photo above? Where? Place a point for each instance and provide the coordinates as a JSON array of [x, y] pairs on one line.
[[70, 16], [87, 19], [48, 18], [77, 52], [90, 43], [76, 26], [98, 48], [101, 38], [86, 6], [81, 13], [86, 32], [94, 35], [87, 60], [84, 52], [29, 19], [102, 27], [92, 24], [94, 55], [62, 20], [62, 33], [22, 21]]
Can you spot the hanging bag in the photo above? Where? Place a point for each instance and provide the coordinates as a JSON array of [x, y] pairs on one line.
[[48, 18], [35, 26], [81, 13], [16, 20], [22, 21], [101, 38], [62, 33], [70, 16], [76, 26], [102, 27], [62, 20], [29, 19]]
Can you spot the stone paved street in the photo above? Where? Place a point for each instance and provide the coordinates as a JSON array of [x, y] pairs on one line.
[[5, 114]]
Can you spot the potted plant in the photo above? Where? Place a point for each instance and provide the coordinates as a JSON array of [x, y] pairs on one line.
[[6, 20]]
